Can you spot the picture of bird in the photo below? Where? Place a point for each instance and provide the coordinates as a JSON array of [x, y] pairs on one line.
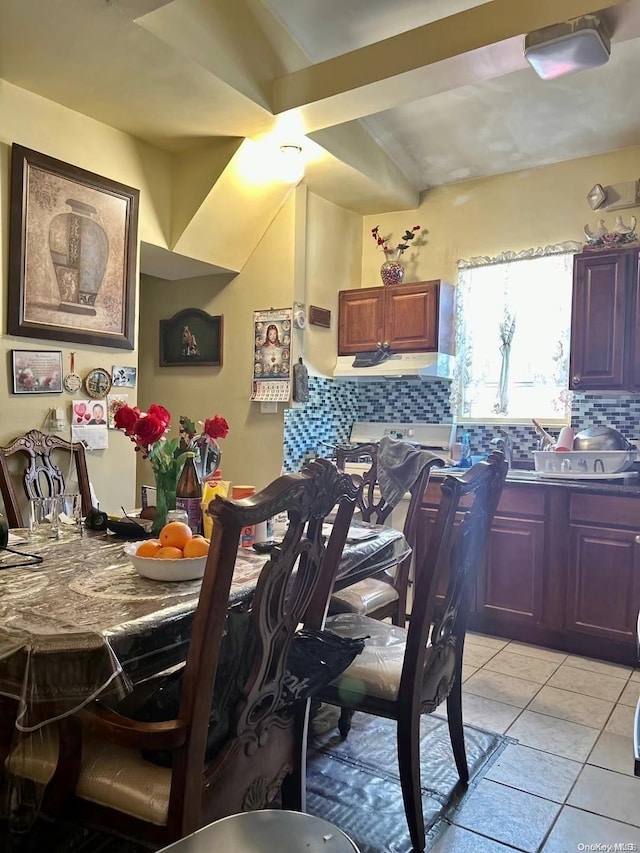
[[597, 235], [621, 228]]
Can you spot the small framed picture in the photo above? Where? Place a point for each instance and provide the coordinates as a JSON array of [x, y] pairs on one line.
[[191, 338], [123, 377], [36, 371]]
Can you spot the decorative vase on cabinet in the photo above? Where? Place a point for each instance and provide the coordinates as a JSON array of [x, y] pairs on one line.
[[392, 271]]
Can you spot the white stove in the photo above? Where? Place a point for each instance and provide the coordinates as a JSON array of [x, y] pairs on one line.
[[437, 438]]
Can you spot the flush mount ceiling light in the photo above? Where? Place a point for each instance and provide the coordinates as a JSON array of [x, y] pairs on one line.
[[291, 163], [568, 47]]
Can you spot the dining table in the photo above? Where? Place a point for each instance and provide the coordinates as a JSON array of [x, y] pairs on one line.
[[83, 624]]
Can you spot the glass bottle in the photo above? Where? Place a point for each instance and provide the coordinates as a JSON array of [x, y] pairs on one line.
[[465, 451], [189, 493]]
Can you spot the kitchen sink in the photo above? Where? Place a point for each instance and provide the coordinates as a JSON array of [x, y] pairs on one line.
[[519, 474]]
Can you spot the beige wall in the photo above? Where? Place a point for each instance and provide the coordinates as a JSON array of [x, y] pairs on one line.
[[516, 211], [252, 452], [44, 126], [333, 263]]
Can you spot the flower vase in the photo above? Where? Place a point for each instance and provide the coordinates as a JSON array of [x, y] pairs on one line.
[[392, 271], [208, 458], [166, 486]]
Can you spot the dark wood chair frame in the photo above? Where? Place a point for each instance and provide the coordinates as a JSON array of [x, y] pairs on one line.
[[37, 447], [432, 671], [266, 747], [377, 512]]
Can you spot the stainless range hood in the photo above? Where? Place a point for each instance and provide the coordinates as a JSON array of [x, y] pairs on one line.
[[423, 365]]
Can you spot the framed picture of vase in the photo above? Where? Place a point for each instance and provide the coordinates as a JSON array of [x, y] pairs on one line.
[[191, 338], [72, 253]]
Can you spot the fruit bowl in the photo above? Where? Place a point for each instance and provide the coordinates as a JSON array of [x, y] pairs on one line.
[[185, 569]]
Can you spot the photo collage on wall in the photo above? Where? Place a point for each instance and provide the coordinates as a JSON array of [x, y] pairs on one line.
[[272, 355]]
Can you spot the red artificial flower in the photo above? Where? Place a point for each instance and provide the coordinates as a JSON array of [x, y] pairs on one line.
[[160, 413], [216, 427], [148, 430], [126, 418]]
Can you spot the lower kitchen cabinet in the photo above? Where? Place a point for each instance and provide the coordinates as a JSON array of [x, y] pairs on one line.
[[603, 588], [562, 569], [603, 584], [510, 584]]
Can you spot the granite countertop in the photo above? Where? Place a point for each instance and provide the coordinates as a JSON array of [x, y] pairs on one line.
[[629, 487]]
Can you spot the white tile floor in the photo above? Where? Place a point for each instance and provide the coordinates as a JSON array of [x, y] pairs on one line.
[[568, 783]]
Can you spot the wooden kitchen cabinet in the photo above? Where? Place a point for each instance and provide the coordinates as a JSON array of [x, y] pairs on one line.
[[562, 569], [509, 585], [605, 343], [603, 589], [416, 317]]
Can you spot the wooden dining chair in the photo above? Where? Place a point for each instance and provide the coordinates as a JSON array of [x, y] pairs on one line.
[[107, 779], [404, 673], [385, 595], [42, 477]]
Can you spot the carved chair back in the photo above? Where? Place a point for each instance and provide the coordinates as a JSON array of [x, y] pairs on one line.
[[267, 738], [264, 746], [41, 477], [435, 636], [375, 510]]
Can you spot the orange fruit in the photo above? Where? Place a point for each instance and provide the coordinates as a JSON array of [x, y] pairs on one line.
[[196, 547], [148, 548], [176, 534], [168, 552]]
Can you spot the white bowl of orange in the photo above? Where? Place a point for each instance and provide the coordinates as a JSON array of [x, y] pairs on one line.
[[176, 555]]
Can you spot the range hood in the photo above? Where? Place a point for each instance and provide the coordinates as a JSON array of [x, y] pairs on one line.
[[423, 365]]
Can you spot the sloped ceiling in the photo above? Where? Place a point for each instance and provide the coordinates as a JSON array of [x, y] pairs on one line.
[[396, 97]]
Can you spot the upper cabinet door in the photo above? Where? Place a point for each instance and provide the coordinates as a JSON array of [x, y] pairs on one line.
[[600, 321], [634, 367], [361, 320], [411, 317]]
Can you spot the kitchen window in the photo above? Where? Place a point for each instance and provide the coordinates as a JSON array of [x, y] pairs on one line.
[[513, 316]]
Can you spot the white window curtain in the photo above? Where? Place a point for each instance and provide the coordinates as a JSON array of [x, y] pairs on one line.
[[513, 316]]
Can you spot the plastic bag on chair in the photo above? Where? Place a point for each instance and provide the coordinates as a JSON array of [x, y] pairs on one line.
[[315, 659]]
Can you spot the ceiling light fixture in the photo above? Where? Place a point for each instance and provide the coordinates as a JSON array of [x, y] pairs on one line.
[[291, 163], [567, 47]]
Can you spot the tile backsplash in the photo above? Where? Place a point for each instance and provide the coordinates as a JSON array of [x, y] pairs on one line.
[[311, 430]]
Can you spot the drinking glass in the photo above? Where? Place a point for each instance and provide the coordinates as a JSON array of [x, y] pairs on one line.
[[43, 518], [70, 515]]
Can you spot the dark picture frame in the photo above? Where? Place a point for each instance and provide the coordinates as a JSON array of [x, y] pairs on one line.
[[72, 253], [191, 338], [36, 371]]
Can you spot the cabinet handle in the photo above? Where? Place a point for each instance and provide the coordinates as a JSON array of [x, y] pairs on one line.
[[378, 344], [575, 380], [385, 345], [637, 540]]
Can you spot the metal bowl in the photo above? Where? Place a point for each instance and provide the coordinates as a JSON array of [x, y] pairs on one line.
[[601, 438]]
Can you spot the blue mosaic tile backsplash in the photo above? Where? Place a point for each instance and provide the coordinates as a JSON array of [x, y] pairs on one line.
[[310, 430], [326, 420]]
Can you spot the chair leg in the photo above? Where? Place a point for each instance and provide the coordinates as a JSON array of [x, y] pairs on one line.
[[294, 785], [409, 765], [456, 731], [344, 723], [399, 616]]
